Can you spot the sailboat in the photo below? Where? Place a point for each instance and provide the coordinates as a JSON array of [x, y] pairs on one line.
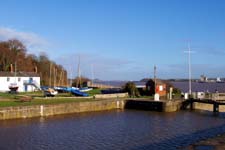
[[13, 86]]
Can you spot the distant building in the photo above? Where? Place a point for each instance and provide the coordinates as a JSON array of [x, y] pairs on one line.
[[203, 78], [218, 79], [26, 81]]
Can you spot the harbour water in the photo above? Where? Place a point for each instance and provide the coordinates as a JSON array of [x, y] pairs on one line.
[[116, 129]]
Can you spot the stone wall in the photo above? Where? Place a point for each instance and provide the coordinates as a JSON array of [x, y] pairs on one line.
[[66, 108], [172, 105], [146, 104], [116, 95], [207, 107]]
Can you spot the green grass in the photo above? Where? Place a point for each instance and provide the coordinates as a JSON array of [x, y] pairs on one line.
[[94, 91], [150, 97], [44, 101]]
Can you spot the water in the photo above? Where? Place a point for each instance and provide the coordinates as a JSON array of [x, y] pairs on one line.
[[110, 130]]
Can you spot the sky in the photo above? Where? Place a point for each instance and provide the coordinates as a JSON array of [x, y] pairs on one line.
[[121, 39]]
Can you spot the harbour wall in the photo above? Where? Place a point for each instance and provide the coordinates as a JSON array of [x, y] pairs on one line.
[[207, 107], [161, 106], [99, 105], [57, 109]]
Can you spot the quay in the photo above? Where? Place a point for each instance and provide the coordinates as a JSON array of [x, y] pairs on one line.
[[16, 112], [161, 106], [204, 104]]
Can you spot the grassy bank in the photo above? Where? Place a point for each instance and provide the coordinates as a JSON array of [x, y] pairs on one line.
[[94, 91], [37, 98], [44, 101]]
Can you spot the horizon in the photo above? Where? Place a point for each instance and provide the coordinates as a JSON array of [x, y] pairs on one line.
[[122, 40]]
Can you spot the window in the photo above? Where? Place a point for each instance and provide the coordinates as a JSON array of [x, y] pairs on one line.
[[8, 79], [160, 88], [19, 79]]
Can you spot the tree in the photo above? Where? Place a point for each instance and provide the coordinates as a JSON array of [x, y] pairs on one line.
[[130, 87], [14, 51]]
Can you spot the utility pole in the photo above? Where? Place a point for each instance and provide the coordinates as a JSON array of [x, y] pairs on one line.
[[155, 78]]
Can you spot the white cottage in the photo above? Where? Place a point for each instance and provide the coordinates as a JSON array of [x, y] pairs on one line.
[[26, 81]]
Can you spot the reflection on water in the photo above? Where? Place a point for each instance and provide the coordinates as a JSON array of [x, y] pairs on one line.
[[116, 129]]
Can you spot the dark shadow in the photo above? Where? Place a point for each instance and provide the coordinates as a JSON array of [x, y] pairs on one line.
[[144, 105], [185, 105]]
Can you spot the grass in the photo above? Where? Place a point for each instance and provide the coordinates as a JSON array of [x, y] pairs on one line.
[[44, 101], [7, 99], [94, 91]]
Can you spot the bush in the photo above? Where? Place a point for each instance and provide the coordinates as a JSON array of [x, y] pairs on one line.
[[130, 87]]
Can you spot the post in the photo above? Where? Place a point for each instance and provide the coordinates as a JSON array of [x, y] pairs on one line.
[[155, 79], [191, 104], [171, 92], [215, 107], [156, 96]]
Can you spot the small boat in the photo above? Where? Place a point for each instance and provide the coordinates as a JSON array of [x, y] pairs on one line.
[[85, 89], [50, 92], [13, 87]]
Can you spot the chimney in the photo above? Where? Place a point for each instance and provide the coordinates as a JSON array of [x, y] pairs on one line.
[[11, 67]]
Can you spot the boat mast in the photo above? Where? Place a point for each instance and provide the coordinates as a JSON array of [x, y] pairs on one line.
[[50, 72], [92, 73], [15, 73], [78, 76]]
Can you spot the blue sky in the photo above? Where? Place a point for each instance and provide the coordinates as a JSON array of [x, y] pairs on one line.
[[122, 39]]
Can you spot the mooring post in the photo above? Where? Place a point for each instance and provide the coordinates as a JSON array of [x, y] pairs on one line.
[[191, 104], [215, 107]]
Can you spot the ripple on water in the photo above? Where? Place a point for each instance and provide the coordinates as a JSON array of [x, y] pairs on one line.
[[127, 129]]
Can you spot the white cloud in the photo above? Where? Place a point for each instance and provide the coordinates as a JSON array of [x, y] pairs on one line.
[[33, 42]]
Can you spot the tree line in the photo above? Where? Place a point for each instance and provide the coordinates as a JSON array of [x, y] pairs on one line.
[[15, 52]]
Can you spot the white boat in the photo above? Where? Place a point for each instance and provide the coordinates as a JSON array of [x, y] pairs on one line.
[[50, 92], [13, 87], [85, 89]]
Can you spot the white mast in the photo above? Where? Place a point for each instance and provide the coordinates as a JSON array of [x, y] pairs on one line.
[[189, 67], [15, 73], [78, 71], [50, 74], [155, 77], [92, 73]]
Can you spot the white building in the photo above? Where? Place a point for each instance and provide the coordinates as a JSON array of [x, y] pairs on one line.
[[26, 81]]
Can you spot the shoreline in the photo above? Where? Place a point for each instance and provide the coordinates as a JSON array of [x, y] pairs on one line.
[[214, 143]]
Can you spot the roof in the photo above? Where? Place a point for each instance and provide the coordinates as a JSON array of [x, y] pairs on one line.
[[200, 87], [158, 81], [19, 74], [140, 84]]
